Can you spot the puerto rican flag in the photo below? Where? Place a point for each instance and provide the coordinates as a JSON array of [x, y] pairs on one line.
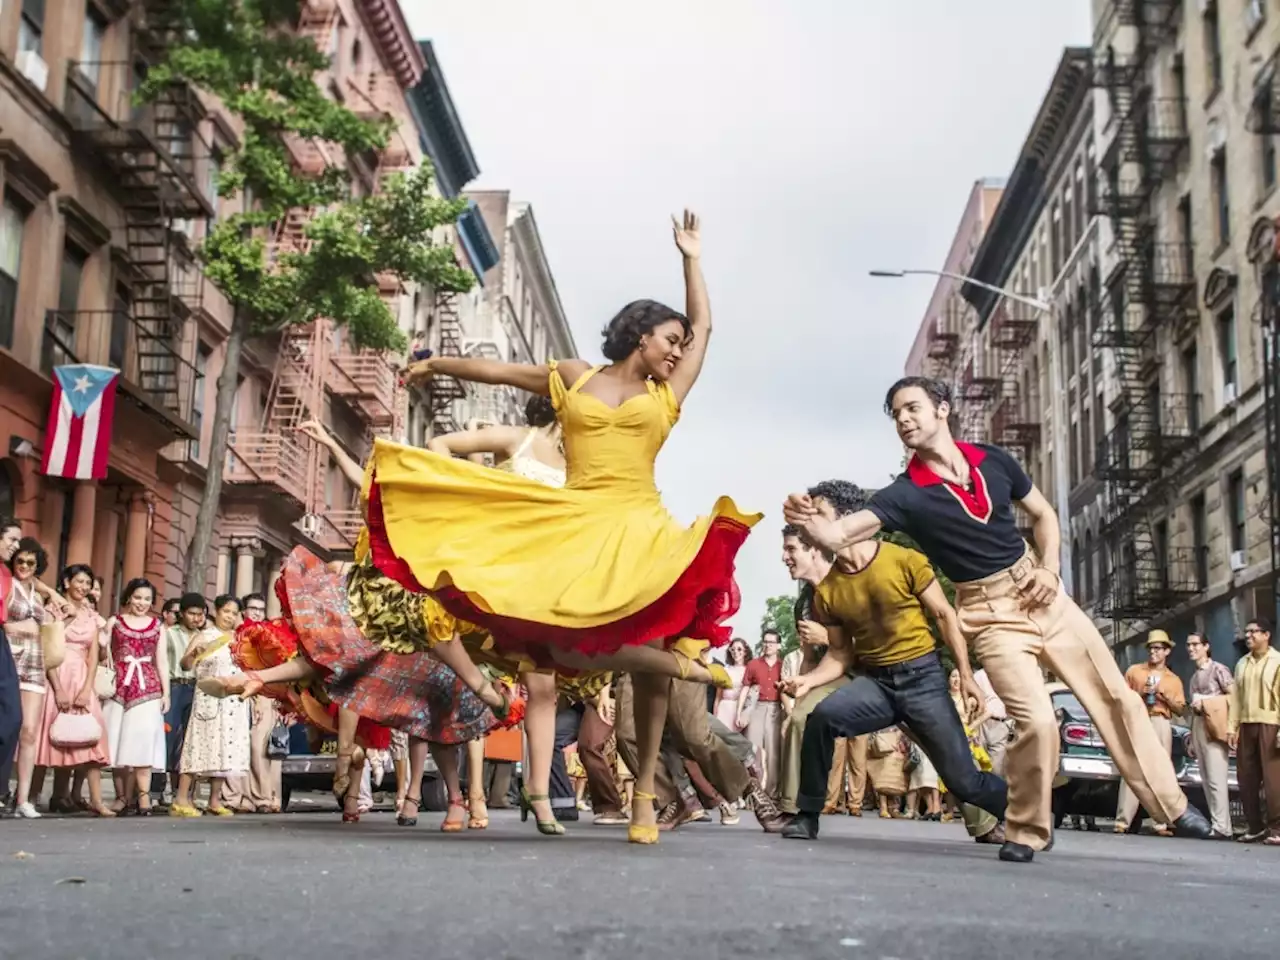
[[77, 441]]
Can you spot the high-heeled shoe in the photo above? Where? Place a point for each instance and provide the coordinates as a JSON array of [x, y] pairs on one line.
[[454, 826], [646, 834], [688, 652], [243, 685], [347, 815], [548, 828], [403, 820], [477, 814]]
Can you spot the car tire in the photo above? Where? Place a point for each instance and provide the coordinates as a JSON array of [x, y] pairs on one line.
[[435, 797]]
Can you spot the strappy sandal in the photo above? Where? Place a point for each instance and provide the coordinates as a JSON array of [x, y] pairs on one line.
[[402, 820], [646, 834], [454, 826], [144, 811], [548, 828], [477, 821]]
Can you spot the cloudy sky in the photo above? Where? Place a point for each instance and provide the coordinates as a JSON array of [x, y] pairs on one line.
[[818, 139]]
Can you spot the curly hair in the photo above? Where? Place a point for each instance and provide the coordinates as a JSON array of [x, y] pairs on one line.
[[936, 390], [133, 586], [74, 570], [743, 646], [539, 412], [637, 318], [844, 496], [32, 546]]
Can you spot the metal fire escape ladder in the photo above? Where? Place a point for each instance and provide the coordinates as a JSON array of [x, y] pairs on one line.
[[1015, 424], [443, 391], [1152, 284]]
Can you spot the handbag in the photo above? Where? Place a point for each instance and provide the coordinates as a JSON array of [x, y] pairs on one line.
[[104, 680], [53, 640], [914, 757], [1215, 718], [278, 742], [879, 746], [75, 730]]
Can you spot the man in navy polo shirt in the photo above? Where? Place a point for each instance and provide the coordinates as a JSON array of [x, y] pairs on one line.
[[956, 501]]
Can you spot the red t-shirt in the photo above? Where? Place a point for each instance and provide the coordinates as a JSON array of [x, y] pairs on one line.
[[760, 674]]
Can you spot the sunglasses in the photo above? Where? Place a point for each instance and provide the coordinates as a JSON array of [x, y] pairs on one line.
[[25, 562]]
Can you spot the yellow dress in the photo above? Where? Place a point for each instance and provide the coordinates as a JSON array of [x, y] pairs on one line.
[[591, 567]]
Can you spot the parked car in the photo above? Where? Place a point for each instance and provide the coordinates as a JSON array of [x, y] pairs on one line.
[[1088, 783], [314, 755]]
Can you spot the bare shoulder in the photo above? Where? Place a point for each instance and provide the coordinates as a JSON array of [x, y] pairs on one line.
[[571, 370]]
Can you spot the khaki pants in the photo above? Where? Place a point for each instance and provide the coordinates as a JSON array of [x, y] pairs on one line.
[[793, 737], [848, 770], [260, 787], [764, 730], [1013, 643], [1213, 757], [1127, 808]]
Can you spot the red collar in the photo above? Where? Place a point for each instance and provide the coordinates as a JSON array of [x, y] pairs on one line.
[[922, 475], [976, 502]]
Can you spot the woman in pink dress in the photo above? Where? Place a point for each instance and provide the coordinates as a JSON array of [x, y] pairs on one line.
[[735, 664], [71, 690]]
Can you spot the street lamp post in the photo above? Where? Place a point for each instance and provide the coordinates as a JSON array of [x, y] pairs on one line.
[[1060, 467]]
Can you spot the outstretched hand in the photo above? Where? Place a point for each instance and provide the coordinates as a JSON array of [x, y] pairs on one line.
[[798, 508], [315, 430], [687, 235], [417, 372]]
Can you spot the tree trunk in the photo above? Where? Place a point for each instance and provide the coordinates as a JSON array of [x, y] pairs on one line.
[[198, 558]]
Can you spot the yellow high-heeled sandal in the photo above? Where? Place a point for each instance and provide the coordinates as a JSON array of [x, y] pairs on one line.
[[640, 833], [688, 651]]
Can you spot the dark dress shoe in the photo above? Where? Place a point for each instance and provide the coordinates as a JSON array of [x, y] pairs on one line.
[[1016, 852], [1192, 825], [803, 826]]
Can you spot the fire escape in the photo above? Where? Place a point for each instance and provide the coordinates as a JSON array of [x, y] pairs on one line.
[[1151, 285], [977, 395], [1264, 120], [152, 155], [442, 391], [1014, 424]]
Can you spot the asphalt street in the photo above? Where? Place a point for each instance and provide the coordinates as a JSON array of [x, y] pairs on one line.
[[307, 885]]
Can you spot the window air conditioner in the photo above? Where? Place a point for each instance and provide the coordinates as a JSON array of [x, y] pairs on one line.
[[310, 524], [33, 68], [1237, 560], [1228, 393]]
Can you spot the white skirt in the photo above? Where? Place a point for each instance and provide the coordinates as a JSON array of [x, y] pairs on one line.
[[924, 776], [135, 737]]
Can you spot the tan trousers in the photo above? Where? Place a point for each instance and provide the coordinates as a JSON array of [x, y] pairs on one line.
[[848, 771], [1214, 760], [260, 787], [1013, 643], [1127, 807]]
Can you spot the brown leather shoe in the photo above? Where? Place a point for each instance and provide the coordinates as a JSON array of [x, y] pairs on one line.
[[994, 835]]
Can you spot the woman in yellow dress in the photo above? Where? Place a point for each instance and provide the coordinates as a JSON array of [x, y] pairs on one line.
[[596, 575]]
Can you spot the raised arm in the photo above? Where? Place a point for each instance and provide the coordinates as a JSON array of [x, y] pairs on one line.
[[835, 535], [501, 441], [534, 378], [350, 469], [935, 601], [697, 305]]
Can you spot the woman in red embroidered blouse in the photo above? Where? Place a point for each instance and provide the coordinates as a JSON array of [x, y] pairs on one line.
[[135, 716]]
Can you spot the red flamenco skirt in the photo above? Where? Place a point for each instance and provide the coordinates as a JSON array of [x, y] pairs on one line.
[[697, 605]]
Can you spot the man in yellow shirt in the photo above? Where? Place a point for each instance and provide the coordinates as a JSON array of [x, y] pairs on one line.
[[1254, 725], [873, 604]]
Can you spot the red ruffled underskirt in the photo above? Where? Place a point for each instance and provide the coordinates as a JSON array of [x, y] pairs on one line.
[[697, 604]]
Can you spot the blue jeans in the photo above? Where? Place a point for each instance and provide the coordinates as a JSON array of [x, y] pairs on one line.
[[913, 694], [175, 723]]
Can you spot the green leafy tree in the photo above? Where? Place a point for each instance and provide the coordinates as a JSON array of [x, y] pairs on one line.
[[779, 615], [247, 55]]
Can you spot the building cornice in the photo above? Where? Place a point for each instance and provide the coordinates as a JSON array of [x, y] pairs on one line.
[[1025, 195], [477, 242], [444, 136], [526, 228], [395, 41]]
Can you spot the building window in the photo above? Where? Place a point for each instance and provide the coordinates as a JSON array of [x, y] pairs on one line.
[[1200, 540], [1266, 142], [1227, 353], [1088, 565], [120, 313], [1077, 567], [1160, 543], [1221, 195], [91, 41], [1212, 47], [12, 220], [212, 170], [1235, 510], [59, 343], [31, 26], [1191, 386]]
